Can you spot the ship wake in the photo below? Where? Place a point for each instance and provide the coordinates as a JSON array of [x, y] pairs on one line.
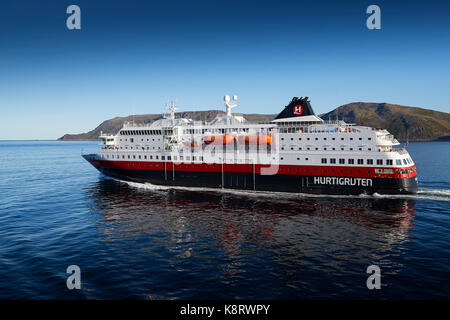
[[422, 194]]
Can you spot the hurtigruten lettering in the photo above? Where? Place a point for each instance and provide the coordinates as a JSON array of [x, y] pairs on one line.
[[364, 182]]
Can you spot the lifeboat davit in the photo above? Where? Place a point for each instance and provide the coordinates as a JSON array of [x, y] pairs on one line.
[[255, 139], [219, 139]]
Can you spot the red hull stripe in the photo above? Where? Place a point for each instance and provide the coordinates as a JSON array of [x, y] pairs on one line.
[[336, 171]]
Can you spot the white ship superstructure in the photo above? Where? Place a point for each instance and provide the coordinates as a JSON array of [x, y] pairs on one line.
[[295, 152]]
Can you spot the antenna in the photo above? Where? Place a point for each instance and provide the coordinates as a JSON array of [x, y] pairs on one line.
[[228, 105], [172, 109]]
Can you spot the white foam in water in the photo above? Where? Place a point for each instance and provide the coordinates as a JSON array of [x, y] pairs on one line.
[[146, 186], [423, 193]]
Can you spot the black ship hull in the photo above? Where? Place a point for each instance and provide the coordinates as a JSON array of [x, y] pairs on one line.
[[294, 183]]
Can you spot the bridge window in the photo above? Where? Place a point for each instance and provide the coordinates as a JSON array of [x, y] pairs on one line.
[[398, 162]]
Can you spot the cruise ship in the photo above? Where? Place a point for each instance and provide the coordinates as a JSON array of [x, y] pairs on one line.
[[295, 152]]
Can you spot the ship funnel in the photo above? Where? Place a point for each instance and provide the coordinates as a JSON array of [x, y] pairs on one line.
[[298, 107]]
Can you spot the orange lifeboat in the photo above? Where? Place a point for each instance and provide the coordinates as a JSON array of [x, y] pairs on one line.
[[192, 144], [255, 139], [219, 139]]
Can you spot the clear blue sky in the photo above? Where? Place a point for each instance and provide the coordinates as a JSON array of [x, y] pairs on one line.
[[133, 56]]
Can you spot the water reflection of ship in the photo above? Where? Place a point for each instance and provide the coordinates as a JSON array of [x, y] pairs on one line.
[[235, 220]]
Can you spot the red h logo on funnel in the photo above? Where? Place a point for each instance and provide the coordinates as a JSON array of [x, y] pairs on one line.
[[298, 110]]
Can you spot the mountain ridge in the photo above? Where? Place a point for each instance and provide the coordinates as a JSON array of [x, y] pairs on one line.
[[404, 122]]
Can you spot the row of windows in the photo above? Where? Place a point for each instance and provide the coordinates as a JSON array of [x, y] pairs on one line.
[[325, 170], [221, 130], [325, 148], [314, 130], [131, 148], [379, 162], [151, 157], [341, 161], [132, 140], [327, 138], [139, 132]]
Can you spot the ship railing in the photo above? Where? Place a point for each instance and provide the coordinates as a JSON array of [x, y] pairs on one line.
[[399, 150]]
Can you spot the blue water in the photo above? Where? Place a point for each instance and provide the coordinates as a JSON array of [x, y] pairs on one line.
[[143, 242]]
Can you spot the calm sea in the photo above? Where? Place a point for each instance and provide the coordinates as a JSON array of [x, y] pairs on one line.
[[144, 242]]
